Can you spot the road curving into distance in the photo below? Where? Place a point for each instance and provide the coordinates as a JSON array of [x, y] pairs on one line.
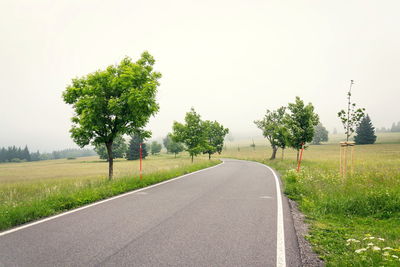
[[231, 214]]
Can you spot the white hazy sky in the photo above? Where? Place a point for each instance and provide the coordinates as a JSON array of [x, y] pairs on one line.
[[230, 60]]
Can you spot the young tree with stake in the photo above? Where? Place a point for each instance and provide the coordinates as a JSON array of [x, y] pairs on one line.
[[112, 102], [352, 118]]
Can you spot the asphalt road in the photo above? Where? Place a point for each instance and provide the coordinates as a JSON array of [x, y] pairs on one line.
[[224, 216]]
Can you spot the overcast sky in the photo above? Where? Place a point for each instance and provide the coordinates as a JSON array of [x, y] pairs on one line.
[[230, 60]]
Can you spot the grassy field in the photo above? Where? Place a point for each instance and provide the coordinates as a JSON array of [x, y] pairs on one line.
[[354, 221], [32, 190]]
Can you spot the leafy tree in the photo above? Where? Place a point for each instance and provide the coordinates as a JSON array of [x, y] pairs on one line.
[[172, 146], [134, 148], [352, 118], [119, 149], [215, 134], [365, 132], [320, 134], [191, 133], [155, 147], [273, 128], [112, 102], [300, 121]]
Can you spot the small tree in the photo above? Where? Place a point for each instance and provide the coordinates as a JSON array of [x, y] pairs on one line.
[[365, 132], [191, 133], [172, 146], [119, 148], [215, 134], [155, 147], [273, 129], [320, 134], [352, 118], [133, 152], [116, 101], [301, 121]]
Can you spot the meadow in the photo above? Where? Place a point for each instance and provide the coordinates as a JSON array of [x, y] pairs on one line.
[[354, 221], [32, 190]]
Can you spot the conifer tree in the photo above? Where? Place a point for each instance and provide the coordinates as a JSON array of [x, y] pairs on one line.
[[365, 132], [26, 154], [133, 152]]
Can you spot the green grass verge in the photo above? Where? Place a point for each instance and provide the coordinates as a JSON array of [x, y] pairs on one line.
[[16, 213], [354, 221]]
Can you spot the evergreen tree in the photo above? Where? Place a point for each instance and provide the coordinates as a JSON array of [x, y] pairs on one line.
[[26, 154], [365, 132], [133, 152], [3, 154]]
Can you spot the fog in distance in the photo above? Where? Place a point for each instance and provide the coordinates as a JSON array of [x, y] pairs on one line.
[[230, 60]]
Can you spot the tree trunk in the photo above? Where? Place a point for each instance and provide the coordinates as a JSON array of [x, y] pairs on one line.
[[209, 156], [298, 151], [192, 158], [283, 150], [175, 155], [274, 149], [110, 160]]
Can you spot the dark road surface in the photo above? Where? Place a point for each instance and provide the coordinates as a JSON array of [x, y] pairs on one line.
[[224, 216]]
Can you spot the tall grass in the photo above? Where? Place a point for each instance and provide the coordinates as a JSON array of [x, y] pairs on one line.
[[34, 198], [364, 204]]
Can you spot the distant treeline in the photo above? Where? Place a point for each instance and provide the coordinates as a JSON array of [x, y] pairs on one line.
[[395, 128], [17, 154]]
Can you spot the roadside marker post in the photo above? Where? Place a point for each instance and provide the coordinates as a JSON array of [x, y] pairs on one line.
[[140, 168], [301, 157]]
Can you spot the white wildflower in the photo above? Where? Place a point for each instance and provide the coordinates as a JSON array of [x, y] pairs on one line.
[[370, 244], [376, 248], [386, 254], [381, 239], [394, 256], [387, 248], [352, 240], [360, 250], [368, 238]]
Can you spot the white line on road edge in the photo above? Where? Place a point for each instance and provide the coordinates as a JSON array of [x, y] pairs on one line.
[[102, 201], [280, 231]]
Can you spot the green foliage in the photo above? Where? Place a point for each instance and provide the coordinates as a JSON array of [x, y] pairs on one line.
[[191, 133], [134, 148], [199, 136], [155, 147], [116, 101], [320, 134], [172, 146], [215, 134], [119, 148], [365, 132], [274, 129], [300, 121]]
